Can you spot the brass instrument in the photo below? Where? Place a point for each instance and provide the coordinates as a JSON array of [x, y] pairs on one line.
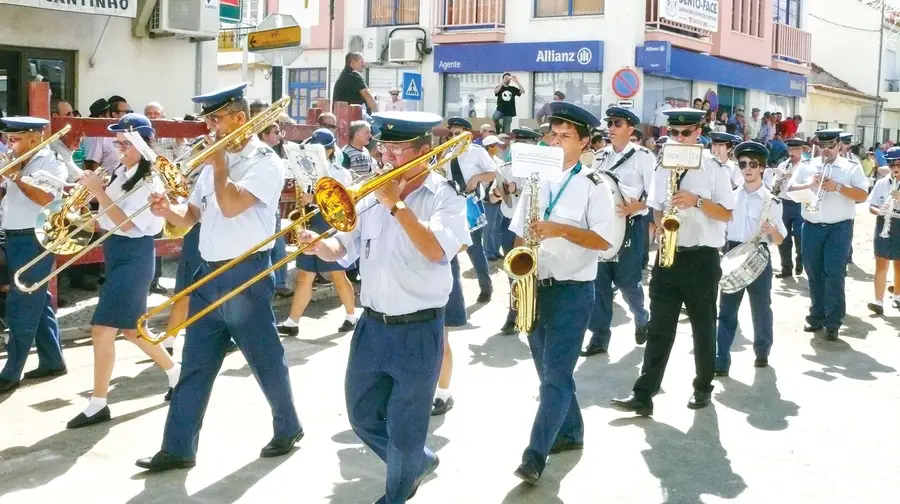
[[9, 160], [812, 206], [176, 178], [889, 211], [59, 216], [170, 230], [336, 203], [670, 222], [521, 264]]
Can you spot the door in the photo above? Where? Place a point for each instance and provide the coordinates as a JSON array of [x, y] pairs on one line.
[[21, 65]]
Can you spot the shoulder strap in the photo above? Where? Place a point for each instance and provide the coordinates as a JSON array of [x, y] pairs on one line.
[[456, 175], [622, 160]]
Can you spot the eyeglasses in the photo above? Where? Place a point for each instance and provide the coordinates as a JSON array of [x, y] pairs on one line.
[[748, 164], [617, 124], [216, 119], [681, 133], [122, 145], [393, 150], [829, 145]]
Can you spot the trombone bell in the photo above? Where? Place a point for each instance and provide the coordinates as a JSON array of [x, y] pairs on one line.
[[54, 230]]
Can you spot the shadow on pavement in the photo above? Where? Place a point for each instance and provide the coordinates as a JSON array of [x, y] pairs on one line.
[[855, 327], [599, 380], [500, 351], [839, 358], [761, 401], [151, 381], [547, 489]]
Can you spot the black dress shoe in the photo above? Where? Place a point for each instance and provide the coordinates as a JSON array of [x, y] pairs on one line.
[[876, 308], [592, 350], [83, 420], [811, 328], [441, 406], [640, 334], [278, 447], [895, 304], [761, 362], [38, 373], [484, 297], [509, 328], [283, 292], [633, 404], [528, 472], [721, 372], [8, 386], [564, 445], [287, 330], [158, 289], [231, 348], [799, 269], [346, 326], [698, 400], [784, 274], [432, 466], [168, 396], [831, 334], [163, 461]]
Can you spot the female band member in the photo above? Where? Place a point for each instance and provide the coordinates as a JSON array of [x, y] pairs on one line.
[[884, 201], [308, 265], [129, 265]]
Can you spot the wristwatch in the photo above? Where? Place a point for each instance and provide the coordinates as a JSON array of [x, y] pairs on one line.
[[839, 187], [699, 202], [397, 207]]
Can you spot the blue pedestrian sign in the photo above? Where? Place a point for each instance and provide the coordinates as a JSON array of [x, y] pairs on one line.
[[412, 86]]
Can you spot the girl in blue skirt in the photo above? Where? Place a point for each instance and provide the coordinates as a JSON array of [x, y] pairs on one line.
[[129, 264], [309, 265], [884, 201]]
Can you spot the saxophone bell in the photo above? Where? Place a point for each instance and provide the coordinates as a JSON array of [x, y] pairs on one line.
[[521, 264]]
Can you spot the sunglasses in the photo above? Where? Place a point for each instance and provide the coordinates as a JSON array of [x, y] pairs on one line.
[[829, 145], [748, 164], [681, 133], [617, 124]]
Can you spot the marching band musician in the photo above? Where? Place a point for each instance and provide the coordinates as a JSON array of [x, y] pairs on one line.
[[633, 166], [827, 232], [721, 145], [309, 266], [35, 183], [750, 198], [705, 201], [129, 263], [793, 221], [404, 244], [575, 216], [234, 200], [884, 201]]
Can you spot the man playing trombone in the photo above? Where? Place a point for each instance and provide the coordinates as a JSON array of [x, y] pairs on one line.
[[28, 184], [838, 184], [234, 200]]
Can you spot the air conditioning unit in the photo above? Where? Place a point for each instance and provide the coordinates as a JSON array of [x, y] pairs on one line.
[[403, 50], [368, 41], [197, 19]]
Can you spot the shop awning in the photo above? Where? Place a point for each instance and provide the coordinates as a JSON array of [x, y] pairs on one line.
[[119, 8]]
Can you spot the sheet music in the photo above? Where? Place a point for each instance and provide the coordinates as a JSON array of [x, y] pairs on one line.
[[802, 195], [544, 160]]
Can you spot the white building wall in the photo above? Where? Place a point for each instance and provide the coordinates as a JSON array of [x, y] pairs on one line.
[[141, 70]]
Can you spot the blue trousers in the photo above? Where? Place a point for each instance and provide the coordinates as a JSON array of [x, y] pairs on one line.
[[479, 261], [825, 251], [793, 221], [391, 377], [249, 321], [30, 316], [492, 229], [760, 292], [279, 250], [627, 274], [563, 311]]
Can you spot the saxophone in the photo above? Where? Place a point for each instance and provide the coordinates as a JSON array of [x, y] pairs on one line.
[[670, 222], [521, 264], [886, 227]]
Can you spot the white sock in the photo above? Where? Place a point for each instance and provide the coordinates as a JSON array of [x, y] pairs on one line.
[[94, 406], [289, 322], [168, 343], [173, 374], [877, 302], [352, 318], [442, 394]]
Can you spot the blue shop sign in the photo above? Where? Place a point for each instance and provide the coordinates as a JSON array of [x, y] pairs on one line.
[[654, 56], [689, 65], [519, 57]]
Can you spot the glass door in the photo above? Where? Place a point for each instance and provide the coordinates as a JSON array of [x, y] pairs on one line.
[[21, 65]]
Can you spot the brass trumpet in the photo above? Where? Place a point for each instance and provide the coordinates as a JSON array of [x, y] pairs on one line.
[[336, 203], [14, 161]]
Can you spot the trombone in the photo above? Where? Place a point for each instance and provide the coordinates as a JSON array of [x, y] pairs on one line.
[[336, 203], [12, 161], [175, 178]]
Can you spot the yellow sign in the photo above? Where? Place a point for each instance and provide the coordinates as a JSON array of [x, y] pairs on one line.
[[265, 40]]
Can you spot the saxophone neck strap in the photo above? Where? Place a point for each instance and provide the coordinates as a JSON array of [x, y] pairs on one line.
[[554, 200]]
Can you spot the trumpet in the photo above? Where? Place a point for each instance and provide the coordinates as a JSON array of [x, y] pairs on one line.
[[336, 203], [176, 179], [9, 161], [812, 206]]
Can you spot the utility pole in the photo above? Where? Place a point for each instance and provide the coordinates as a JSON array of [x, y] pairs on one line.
[[878, 84], [330, 49]]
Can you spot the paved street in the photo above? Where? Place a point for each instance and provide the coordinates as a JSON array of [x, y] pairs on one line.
[[818, 426]]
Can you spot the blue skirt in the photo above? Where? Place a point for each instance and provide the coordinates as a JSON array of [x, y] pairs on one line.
[[312, 263], [129, 265], [189, 260], [887, 248], [455, 312]]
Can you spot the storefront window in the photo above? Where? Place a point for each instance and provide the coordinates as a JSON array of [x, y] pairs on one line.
[[305, 85], [779, 103], [380, 82], [656, 89], [584, 89], [472, 95], [549, 8], [730, 98]]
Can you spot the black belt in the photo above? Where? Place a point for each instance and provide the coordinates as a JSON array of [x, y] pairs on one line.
[[695, 248], [826, 224], [251, 257], [410, 318], [550, 282], [730, 244], [19, 232]]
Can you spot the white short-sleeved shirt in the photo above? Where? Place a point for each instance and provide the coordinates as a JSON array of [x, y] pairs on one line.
[[788, 168], [583, 205], [734, 173], [256, 169], [474, 161], [711, 182], [397, 278], [748, 207], [102, 150], [636, 172], [145, 223], [881, 192], [20, 212], [834, 207]]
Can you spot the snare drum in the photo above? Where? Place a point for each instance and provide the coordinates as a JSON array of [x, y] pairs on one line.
[[475, 213]]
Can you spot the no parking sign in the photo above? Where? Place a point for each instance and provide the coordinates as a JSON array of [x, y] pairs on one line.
[[626, 83]]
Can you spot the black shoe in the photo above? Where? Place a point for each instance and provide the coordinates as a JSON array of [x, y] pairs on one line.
[[633, 404], [592, 349], [509, 328], [528, 472], [320, 280], [811, 328], [346, 326], [158, 289], [287, 330], [440, 406], [278, 447], [168, 396], [895, 304], [564, 445], [875, 308], [163, 461], [721, 373], [698, 400], [283, 292], [425, 473], [761, 362], [83, 420], [39, 373], [784, 274], [8, 386], [640, 334], [798, 270], [831, 334], [484, 297]]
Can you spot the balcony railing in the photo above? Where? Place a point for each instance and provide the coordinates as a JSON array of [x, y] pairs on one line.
[[791, 44], [469, 15], [655, 22], [393, 12]]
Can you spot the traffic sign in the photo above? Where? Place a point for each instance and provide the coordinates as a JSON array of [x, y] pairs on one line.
[[412, 86], [277, 39], [625, 103], [626, 83]]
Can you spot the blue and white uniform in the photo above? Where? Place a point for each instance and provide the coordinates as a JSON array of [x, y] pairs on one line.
[[886, 248], [311, 263], [793, 221]]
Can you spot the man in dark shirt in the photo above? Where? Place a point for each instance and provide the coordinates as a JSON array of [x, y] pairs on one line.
[[506, 102], [351, 87]]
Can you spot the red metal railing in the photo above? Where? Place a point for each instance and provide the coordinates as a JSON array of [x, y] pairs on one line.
[[451, 15], [792, 44]]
